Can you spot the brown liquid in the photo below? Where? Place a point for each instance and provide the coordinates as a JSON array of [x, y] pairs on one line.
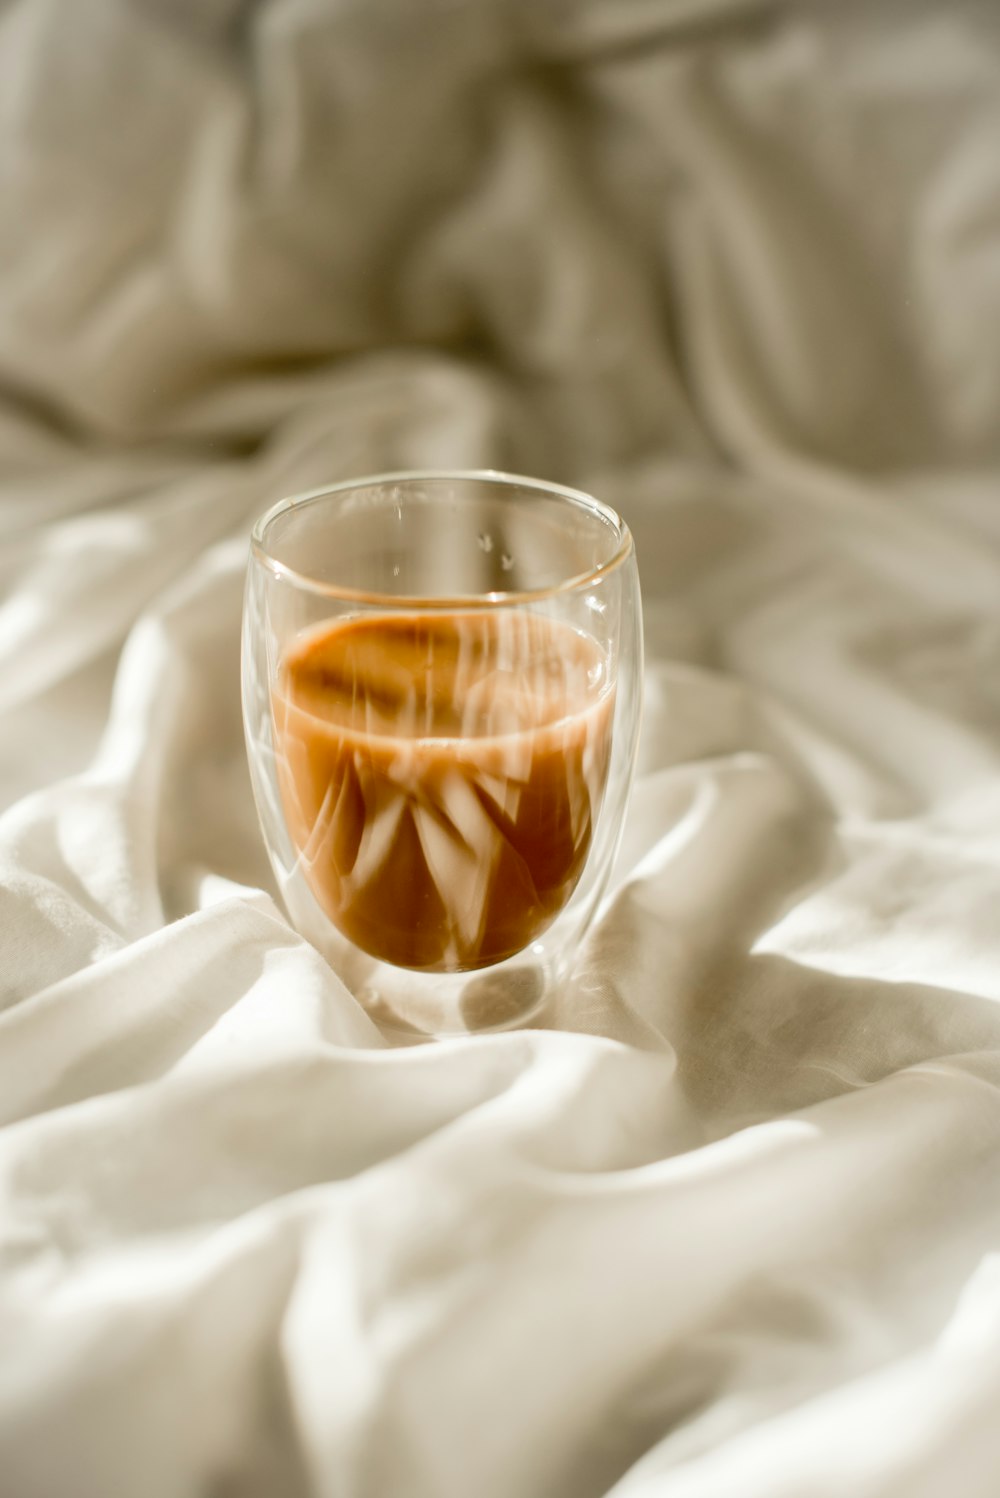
[[441, 776]]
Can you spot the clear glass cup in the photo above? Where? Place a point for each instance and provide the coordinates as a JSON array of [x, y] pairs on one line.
[[441, 694]]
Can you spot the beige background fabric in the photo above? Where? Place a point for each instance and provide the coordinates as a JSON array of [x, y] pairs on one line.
[[726, 1221]]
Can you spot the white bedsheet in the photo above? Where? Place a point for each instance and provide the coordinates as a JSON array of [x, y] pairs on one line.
[[728, 1221]]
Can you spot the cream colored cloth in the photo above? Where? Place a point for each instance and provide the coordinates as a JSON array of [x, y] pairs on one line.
[[728, 1223]]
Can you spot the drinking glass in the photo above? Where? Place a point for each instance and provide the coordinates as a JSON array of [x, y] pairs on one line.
[[441, 695]]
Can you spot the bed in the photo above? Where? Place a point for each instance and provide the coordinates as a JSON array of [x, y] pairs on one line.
[[726, 1221]]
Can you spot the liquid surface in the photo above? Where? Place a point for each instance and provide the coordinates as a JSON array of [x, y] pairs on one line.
[[441, 776]]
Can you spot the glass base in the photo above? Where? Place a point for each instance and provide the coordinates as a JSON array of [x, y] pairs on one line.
[[418, 1006], [410, 1007]]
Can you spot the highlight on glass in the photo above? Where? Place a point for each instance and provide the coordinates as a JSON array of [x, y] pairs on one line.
[[441, 691]]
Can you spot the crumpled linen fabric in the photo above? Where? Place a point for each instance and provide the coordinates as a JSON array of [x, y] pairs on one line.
[[725, 1219]]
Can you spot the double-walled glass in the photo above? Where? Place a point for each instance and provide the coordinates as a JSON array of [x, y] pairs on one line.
[[441, 692]]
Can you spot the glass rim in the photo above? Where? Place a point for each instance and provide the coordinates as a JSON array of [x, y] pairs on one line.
[[495, 597]]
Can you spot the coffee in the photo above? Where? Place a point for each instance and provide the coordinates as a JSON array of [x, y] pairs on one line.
[[441, 775]]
